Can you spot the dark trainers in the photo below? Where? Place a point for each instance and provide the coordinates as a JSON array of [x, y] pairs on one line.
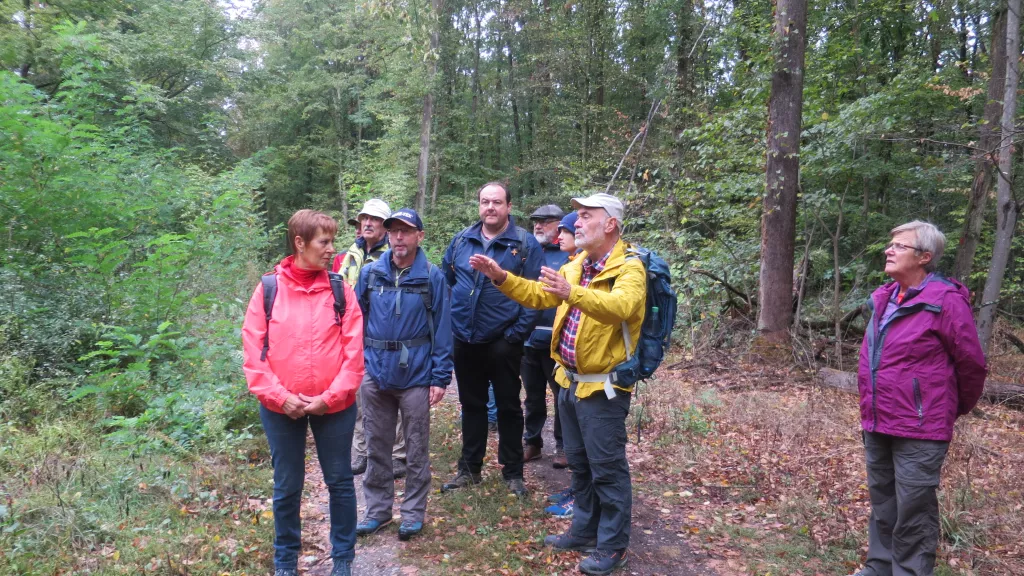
[[461, 480], [399, 467], [517, 487], [408, 529], [369, 526], [559, 461], [342, 568], [359, 465], [286, 572], [560, 496], [603, 562], [571, 543]]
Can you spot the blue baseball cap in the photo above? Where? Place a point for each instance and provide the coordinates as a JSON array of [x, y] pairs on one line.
[[407, 215], [569, 221]]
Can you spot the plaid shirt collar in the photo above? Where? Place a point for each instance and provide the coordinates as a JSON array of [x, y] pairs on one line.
[[592, 268]]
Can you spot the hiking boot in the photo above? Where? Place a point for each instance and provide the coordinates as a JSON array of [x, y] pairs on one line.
[[359, 465], [342, 568], [562, 509], [399, 467], [369, 526], [531, 453], [461, 480], [570, 543], [603, 562], [558, 497], [517, 487], [408, 529], [492, 426], [559, 462], [286, 572]]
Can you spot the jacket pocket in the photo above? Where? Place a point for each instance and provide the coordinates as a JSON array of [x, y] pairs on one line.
[[917, 402]]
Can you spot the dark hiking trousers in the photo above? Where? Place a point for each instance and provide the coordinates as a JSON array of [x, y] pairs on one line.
[[381, 409], [476, 366], [536, 371], [903, 532], [594, 431]]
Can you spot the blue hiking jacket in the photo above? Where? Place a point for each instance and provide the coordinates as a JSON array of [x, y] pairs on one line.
[[401, 315], [554, 258], [480, 312]]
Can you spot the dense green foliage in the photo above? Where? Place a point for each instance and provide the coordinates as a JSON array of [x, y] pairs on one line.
[[151, 151]]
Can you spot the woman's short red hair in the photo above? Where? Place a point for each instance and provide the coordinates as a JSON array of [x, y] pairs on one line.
[[307, 223]]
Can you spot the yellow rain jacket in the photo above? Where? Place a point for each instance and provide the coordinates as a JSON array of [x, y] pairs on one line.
[[617, 294], [350, 263]]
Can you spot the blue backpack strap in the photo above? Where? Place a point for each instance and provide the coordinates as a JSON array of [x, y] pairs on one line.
[[269, 282], [338, 288]]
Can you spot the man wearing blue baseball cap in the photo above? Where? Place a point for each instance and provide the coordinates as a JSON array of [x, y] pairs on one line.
[[407, 341]]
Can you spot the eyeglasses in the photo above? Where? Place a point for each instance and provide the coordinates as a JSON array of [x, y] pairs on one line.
[[898, 247]]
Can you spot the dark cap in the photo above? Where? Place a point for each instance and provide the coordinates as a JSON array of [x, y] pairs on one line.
[[547, 212], [353, 222], [407, 215]]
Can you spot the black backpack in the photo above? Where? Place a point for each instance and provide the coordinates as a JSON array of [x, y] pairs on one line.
[[269, 282]]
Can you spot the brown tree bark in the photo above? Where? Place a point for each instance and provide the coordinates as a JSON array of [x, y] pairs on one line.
[[1006, 204], [988, 140], [427, 120], [782, 171]]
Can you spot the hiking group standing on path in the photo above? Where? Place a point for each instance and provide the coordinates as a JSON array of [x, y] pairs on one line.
[[358, 347]]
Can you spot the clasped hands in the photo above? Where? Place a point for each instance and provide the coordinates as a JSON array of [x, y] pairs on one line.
[[298, 405], [554, 283]]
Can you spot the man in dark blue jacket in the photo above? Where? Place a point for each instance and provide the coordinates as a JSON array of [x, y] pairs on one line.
[[489, 330], [407, 341], [537, 366]]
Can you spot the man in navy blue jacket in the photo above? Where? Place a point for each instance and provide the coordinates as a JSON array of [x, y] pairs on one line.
[[538, 365], [489, 330], [407, 342]]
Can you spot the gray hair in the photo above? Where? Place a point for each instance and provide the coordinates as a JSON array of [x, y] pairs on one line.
[[929, 239]]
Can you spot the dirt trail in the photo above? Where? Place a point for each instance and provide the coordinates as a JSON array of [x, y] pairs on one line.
[[654, 551]]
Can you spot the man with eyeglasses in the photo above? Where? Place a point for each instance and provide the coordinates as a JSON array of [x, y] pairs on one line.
[[489, 330]]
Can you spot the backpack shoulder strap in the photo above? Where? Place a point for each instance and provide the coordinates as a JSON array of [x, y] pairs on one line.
[[364, 298], [269, 282], [338, 288]]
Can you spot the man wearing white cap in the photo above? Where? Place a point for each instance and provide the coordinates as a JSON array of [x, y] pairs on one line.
[[600, 298], [368, 248]]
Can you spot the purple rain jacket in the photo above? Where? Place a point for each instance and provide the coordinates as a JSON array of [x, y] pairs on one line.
[[925, 367]]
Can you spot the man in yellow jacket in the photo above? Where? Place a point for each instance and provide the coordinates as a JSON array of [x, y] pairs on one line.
[[600, 298]]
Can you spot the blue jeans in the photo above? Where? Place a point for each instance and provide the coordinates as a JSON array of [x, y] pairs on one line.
[[287, 438], [492, 406]]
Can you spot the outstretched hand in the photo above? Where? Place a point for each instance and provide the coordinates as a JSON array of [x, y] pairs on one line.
[[488, 267], [555, 283]]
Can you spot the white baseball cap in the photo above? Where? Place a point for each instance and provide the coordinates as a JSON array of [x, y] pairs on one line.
[[611, 204], [375, 207]]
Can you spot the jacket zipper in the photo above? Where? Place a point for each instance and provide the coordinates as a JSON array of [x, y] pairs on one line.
[[917, 400]]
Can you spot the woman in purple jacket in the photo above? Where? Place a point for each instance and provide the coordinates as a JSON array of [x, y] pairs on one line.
[[921, 367]]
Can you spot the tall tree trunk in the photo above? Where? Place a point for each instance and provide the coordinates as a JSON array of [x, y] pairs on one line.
[[428, 108], [988, 141], [782, 170], [1006, 205], [682, 87]]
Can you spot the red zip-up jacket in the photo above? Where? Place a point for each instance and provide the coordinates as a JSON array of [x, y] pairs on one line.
[[310, 353]]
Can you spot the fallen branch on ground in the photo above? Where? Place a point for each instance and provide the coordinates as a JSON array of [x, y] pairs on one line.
[[997, 392]]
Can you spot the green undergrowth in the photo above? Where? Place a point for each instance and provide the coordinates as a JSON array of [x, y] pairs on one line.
[[71, 503]]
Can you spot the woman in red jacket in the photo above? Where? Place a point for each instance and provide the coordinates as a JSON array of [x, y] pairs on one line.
[[304, 365]]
